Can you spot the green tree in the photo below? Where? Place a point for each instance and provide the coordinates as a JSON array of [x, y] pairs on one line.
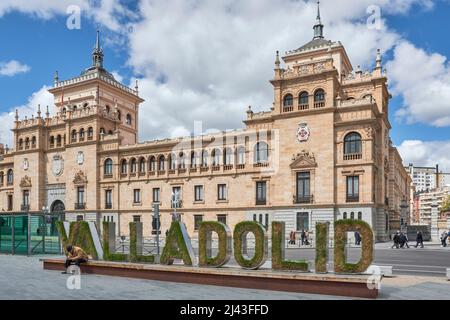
[[446, 205]]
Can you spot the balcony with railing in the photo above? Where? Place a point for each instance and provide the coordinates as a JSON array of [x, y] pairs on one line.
[[352, 156], [80, 206], [178, 206], [319, 104], [352, 198], [303, 199], [228, 167], [303, 106], [288, 108]]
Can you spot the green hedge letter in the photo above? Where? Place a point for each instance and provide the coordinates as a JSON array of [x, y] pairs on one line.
[[79, 235], [341, 228], [241, 231], [278, 251], [322, 230], [178, 245], [205, 240]]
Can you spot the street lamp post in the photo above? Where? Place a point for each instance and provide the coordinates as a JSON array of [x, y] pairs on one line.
[[156, 217], [45, 210]]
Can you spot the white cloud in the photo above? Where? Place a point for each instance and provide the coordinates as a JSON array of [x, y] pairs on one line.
[[426, 153], [424, 81], [209, 60], [42, 97], [13, 67]]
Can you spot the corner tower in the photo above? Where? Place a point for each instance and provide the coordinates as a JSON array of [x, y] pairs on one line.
[[112, 106]]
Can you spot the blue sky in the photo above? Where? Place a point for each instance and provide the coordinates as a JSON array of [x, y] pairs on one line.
[[174, 40]]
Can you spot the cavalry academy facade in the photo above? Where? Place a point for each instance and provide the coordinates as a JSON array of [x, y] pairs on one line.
[[321, 153]]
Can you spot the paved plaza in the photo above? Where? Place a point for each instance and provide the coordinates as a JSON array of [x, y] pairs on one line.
[[23, 278]]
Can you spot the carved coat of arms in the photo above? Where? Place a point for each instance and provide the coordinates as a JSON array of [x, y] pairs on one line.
[[303, 132], [58, 165]]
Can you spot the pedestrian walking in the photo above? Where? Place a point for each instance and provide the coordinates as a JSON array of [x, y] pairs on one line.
[[357, 238], [419, 239], [303, 236], [444, 237], [404, 240], [306, 238]]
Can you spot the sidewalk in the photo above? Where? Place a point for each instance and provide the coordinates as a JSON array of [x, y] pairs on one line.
[[427, 245]]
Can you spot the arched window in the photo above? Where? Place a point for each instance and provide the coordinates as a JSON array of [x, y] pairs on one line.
[[27, 142], [58, 140], [182, 161], [204, 158], [123, 166], [108, 169], [359, 215], [81, 134], [142, 165], [261, 152], [352, 215], [193, 159], [172, 161], [10, 176], [2, 177], [216, 155], [241, 155], [52, 141], [162, 163], [303, 98], [133, 165], [64, 110], [352, 143], [74, 135], [33, 141], [319, 95], [107, 109], [129, 119], [20, 144], [228, 156], [288, 101], [152, 164], [74, 108], [90, 132], [345, 216]]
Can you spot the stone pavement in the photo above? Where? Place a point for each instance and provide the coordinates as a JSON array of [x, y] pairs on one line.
[[24, 278]]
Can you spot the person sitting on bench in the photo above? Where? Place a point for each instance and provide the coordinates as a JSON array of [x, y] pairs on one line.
[[75, 256]]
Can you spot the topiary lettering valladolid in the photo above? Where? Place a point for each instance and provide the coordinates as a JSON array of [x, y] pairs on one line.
[[79, 235], [241, 231], [178, 245], [107, 254], [134, 255], [278, 251], [341, 228], [205, 244], [322, 230]]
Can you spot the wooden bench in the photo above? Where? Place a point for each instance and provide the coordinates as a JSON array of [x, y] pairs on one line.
[[263, 279]]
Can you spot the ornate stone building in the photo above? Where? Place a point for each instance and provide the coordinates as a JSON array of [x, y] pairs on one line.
[[321, 153]]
